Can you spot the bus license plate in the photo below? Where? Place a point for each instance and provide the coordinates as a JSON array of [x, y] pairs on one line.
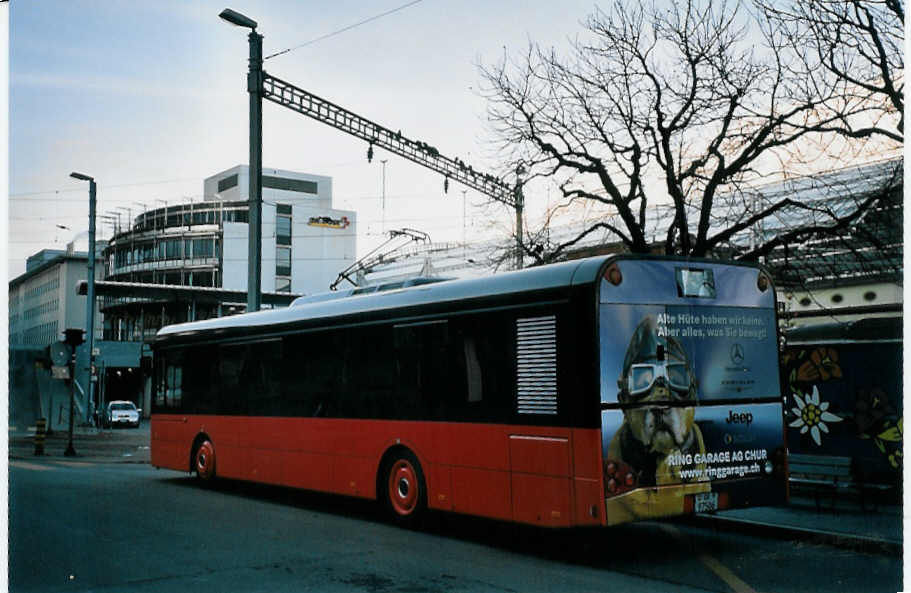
[[705, 502]]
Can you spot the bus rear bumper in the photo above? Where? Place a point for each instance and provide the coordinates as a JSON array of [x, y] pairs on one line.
[[700, 497]]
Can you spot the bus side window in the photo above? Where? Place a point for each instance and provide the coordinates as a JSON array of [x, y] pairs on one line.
[[317, 382], [159, 384], [174, 385], [422, 368], [200, 380], [232, 393], [373, 376], [298, 392], [472, 370], [260, 378]]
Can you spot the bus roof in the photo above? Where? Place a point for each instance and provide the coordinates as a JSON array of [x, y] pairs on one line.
[[556, 276], [552, 276]]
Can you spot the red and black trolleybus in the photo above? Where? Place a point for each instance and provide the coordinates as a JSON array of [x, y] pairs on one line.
[[590, 392]]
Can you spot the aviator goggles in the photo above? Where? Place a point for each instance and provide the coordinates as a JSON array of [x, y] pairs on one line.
[[642, 378]]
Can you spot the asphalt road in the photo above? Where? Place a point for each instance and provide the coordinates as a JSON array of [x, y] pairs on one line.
[[95, 526]]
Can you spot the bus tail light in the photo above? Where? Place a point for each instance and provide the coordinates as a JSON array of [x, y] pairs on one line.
[[613, 275]]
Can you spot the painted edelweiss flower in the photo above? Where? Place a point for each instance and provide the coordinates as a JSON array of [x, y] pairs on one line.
[[812, 415]]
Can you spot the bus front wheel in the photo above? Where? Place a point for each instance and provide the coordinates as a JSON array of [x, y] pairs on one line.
[[404, 488], [204, 461]]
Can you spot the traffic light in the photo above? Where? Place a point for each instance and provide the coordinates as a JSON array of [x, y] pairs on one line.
[[74, 337]]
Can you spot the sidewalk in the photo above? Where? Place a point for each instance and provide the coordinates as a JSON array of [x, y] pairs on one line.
[[877, 529], [93, 445]]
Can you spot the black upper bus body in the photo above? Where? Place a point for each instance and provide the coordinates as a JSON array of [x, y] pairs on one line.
[[445, 351]]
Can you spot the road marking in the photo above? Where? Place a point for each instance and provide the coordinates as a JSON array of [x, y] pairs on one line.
[[726, 575], [32, 466], [721, 571], [74, 463]]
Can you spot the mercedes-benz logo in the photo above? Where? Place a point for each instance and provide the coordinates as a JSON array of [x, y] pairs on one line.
[[737, 354]]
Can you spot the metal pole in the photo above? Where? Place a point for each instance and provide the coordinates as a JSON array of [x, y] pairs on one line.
[[254, 252], [383, 227], [520, 204], [70, 449], [90, 297], [464, 240]]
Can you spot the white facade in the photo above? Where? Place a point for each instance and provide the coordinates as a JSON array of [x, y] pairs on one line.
[[322, 242], [841, 303], [43, 301]]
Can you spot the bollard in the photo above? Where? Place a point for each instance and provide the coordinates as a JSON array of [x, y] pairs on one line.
[[40, 426]]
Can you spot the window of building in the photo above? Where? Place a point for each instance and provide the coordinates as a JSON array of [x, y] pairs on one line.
[[283, 230], [283, 246], [283, 261], [203, 247], [298, 185], [201, 278], [227, 182]]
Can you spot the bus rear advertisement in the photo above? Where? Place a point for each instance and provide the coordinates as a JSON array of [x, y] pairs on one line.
[[690, 389], [585, 393]]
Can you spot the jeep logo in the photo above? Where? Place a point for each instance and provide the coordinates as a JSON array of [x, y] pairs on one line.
[[742, 418]]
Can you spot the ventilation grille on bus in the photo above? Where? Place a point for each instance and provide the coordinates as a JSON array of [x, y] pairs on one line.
[[536, 341]]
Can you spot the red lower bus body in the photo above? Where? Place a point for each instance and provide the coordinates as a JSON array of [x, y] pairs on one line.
[[545, 476], [537, 475]]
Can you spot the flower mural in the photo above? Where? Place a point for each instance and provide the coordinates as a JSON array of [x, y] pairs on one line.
[[871, 409], [892, 435], [823, 364], [812, 415]]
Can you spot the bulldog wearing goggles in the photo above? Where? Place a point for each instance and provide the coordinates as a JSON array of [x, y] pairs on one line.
[[658, 378]]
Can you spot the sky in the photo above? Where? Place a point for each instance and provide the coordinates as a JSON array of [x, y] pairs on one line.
[[149, 98]]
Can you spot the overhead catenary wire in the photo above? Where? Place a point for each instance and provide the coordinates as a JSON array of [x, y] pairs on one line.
[[343, 29]]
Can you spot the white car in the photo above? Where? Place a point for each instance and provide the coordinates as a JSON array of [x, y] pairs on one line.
[[119, 413]]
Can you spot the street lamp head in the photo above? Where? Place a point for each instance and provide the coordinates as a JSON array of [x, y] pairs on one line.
[[80, 176], [235, 18]]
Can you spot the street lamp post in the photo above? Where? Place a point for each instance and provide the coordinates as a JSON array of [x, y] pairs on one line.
[[90, 294], [255, 88]]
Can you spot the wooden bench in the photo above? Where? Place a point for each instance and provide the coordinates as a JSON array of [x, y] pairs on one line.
[[831, 475]]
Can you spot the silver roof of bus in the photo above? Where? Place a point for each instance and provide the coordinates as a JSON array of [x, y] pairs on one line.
[[550, 276], [563, 274]]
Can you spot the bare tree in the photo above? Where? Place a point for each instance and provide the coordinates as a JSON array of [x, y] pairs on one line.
[[694, 94], [856, 46]]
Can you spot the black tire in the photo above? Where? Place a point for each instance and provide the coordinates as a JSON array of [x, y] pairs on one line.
[[403, 489]]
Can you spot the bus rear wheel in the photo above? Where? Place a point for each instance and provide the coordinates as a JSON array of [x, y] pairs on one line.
[[204, 461], [405, 489]]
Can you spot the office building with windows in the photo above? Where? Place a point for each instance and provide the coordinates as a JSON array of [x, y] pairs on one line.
[[203, 246], [305, 242], [42, 303]]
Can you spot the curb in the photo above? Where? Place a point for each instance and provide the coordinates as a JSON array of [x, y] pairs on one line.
[[849, 541], [78, 457]]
